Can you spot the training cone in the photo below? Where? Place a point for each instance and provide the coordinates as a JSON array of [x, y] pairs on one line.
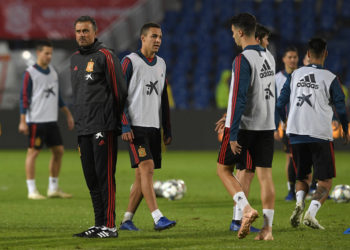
[[347, 231]]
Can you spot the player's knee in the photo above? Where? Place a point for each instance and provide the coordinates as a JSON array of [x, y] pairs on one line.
[[58, 152], [32, 153], [219, 170]]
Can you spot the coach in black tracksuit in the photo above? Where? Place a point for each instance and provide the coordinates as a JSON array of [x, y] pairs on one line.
[[99, 94]]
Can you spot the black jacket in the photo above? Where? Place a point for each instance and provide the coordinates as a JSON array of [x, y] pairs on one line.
[[99, 90]]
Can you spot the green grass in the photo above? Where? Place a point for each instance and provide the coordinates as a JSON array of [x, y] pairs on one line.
[[203, 215]]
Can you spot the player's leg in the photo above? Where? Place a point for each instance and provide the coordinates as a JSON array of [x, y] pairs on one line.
[[303, 161], [312, 188], [35, 144], [146, 169], [235, 190], [225, 162], [135, 199], [54, 169], [261, 151], [31, 156], [291, 171], [245, 174], [288, 168], [267, 194], [53, 140], [145, 154], [324, 171], [56, 160]]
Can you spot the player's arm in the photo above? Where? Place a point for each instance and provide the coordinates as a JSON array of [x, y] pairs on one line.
[[25, 99], [277, 118], [283, 100], [242, 76], [166, 115], [127, 134], [66, 111], [338, 100]]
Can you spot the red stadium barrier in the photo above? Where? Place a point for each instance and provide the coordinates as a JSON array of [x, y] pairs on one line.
[[36, 19]]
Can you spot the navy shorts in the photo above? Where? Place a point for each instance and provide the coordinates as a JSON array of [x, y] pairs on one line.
[[320, 155], [44, 133], [257, 149], [146, 145]]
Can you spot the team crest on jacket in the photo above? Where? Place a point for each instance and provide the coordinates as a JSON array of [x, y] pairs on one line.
[[142, 152], [90, 66]]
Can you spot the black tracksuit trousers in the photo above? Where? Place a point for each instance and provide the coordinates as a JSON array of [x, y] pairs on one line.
[[98, 154]]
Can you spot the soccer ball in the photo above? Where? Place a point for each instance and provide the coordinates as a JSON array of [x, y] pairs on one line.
[[170, 189], [157, 186], [341, 193]]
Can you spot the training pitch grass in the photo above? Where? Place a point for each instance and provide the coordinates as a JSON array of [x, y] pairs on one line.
[[203, 216]]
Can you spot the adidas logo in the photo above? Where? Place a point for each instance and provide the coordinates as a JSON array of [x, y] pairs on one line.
[[308, 81], [266, 70]]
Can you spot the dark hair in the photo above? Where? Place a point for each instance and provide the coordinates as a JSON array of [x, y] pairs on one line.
[[44, 43], [146, 27], [246, 22], [290, 48], [87, 19], [317, 46], [261, 31]]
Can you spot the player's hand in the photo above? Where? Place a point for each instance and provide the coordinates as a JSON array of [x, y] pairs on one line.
[[335, 125], [167, 140], [346, 138], [276, 135], [23, 128], [235, 147], [220, 124], [284, 126], [70, 122], [128, 136]]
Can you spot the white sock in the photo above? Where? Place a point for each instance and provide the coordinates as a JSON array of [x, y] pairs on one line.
[[157, 214], [300, 196], [31, 186], [314, 207], [268, 217], [53, 183], [127, 216], [238, 213], [288, 186], [241, 201]]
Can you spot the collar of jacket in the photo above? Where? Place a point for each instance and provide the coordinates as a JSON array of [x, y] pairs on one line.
[[91, 48]]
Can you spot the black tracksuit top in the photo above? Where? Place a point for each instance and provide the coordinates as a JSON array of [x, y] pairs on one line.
[[99, 90]]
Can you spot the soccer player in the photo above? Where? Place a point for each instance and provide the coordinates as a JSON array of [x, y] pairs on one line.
[[290, 60], [99, 94], [39, 102], [245, 172], [145, 73], [249, 125], [311, 92]]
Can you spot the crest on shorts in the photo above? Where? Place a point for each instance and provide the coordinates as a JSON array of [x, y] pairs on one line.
[[90, 66], [37, 141], [142, 152]]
